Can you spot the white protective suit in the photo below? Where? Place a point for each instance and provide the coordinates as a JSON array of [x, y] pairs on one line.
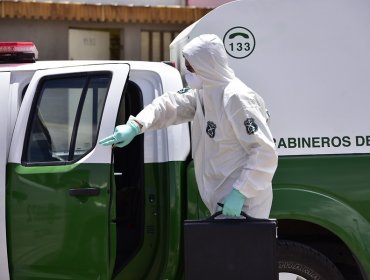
[[232, 145]]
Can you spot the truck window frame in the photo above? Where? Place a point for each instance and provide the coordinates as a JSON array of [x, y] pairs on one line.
[[77, 117]]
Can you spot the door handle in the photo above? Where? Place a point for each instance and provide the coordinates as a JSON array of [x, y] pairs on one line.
[[84, 192]]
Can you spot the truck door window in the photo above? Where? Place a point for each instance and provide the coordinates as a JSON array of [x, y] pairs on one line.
[[65, 117]]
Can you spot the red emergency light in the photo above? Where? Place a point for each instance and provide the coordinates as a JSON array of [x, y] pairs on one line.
[[16, 52]]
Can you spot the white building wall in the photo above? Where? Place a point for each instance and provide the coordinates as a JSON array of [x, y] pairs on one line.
[[207, 3]]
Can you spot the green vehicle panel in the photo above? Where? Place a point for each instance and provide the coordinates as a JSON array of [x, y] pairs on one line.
[[330, 191], [53, 235]]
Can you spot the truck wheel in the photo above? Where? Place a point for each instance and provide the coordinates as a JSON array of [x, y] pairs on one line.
[[300, 262]]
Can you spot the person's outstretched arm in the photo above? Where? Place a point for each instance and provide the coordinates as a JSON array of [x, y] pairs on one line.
[[167, 109]]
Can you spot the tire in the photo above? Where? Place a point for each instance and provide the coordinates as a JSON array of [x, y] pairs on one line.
[[304, 263]]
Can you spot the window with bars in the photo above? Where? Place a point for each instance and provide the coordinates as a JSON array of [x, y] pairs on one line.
[[155, 44]]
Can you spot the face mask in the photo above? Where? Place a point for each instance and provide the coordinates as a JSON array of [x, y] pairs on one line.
[[193, 81]]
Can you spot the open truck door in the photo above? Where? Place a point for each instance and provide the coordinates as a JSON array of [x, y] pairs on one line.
[[59, 181]]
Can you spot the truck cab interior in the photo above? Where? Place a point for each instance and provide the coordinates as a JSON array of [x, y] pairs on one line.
[[129, 181]]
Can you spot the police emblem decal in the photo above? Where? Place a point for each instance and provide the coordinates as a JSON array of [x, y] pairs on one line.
[[251, 126], [211, 129]]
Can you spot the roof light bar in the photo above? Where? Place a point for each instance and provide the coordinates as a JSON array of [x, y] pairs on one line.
[[16, 52]]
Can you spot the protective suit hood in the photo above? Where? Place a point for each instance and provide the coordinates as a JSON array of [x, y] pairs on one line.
[[207, 55]]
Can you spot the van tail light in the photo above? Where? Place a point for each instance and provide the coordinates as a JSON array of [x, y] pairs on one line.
[[16, 52]]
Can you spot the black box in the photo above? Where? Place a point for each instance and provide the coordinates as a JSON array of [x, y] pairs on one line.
[[230, 249]]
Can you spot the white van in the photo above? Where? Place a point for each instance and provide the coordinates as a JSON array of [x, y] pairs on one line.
[[310, 61]]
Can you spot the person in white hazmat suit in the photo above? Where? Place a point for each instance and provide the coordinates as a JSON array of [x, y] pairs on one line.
[[232, 146]]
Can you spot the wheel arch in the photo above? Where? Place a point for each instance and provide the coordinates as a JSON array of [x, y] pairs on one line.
[[326, 224]]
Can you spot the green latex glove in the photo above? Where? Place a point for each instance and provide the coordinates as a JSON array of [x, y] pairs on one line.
[[233, 204], [123, 135]]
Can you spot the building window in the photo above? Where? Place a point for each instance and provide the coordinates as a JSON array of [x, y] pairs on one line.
[[155, 44], [103, 44]]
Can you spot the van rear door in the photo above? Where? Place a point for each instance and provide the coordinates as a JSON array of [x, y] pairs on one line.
[[59, 178]]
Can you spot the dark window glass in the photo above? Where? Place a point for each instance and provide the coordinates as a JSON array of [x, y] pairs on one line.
[[65, 119]]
